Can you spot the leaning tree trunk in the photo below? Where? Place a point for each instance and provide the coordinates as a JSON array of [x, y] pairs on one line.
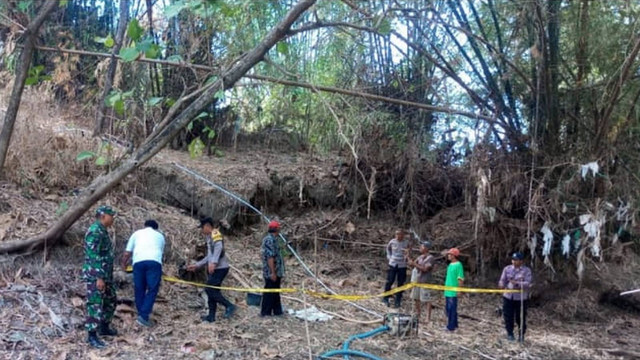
[[152, 145], [111, 70], [22, 69]]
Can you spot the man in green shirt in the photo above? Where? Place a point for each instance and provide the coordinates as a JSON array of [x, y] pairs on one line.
[[455, 278]]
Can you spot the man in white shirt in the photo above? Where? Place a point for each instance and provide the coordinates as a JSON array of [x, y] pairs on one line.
[[146, 246]]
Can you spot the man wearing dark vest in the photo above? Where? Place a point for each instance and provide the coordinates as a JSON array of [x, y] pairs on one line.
[[217, 269]]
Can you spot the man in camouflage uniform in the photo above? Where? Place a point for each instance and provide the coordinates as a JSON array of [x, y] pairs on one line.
[[97, 272]]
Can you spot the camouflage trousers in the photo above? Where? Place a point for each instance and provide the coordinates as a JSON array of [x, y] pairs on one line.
[[100, 305]]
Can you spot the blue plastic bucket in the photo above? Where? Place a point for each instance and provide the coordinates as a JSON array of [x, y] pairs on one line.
[[254, 299]]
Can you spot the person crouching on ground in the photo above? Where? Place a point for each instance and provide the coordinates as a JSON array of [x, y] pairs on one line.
[[455, 278], [217, 270], [396, 250], [97, 273], [421, 274], [272, 271], [515, 276], [145, 248]]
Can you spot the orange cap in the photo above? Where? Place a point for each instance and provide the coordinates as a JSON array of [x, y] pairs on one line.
[[454, 251]]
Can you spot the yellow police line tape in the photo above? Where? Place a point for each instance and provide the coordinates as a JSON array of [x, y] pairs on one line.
[[344, 297]]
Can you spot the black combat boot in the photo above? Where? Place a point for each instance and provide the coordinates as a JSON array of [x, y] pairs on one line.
[[94, 340], [105, 330]]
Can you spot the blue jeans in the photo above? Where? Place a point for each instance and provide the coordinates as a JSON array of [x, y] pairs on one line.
[[146, 280], [452, 312]]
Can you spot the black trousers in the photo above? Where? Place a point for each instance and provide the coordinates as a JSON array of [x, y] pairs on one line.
[[214, 295], [511, 312], [396, 273], [271, 304]]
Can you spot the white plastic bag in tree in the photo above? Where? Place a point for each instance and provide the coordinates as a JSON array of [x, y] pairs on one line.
[[593, 228], [532, 246], [547, 237], [566, 245], [592, 167], [584, 218]]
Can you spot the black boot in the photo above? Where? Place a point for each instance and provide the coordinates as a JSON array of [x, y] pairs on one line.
[[94, 340], [105, 330], [386, 301], [208, 318]]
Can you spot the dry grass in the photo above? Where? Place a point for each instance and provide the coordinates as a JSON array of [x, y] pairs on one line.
[[45, 143]]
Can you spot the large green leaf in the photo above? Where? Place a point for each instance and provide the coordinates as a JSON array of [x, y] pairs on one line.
[[152, 52], [109, 42], [129, 54], [31, 80], [101, 161], [201, 115], [196, 148], [118, 106], [282, 47], [84, 155], [154, 101], [111, 99], [210, 132], [134, 30]]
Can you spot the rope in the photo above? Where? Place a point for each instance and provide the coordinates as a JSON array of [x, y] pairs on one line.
[[293, 251]]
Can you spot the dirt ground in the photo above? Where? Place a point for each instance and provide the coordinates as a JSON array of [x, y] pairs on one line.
[[41, 315]]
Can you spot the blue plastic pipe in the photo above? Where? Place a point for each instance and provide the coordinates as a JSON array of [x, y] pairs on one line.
[[345, 352], [362, 336], [349, 352]]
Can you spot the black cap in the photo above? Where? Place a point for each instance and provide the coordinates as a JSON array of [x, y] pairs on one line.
[[151, 223], [517, 256], [205, 221]]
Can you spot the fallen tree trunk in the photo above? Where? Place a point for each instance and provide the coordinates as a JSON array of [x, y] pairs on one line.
[[152, 145]]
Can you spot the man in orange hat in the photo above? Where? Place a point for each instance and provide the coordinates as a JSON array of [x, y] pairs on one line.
[[455, 278], [272, 271]]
